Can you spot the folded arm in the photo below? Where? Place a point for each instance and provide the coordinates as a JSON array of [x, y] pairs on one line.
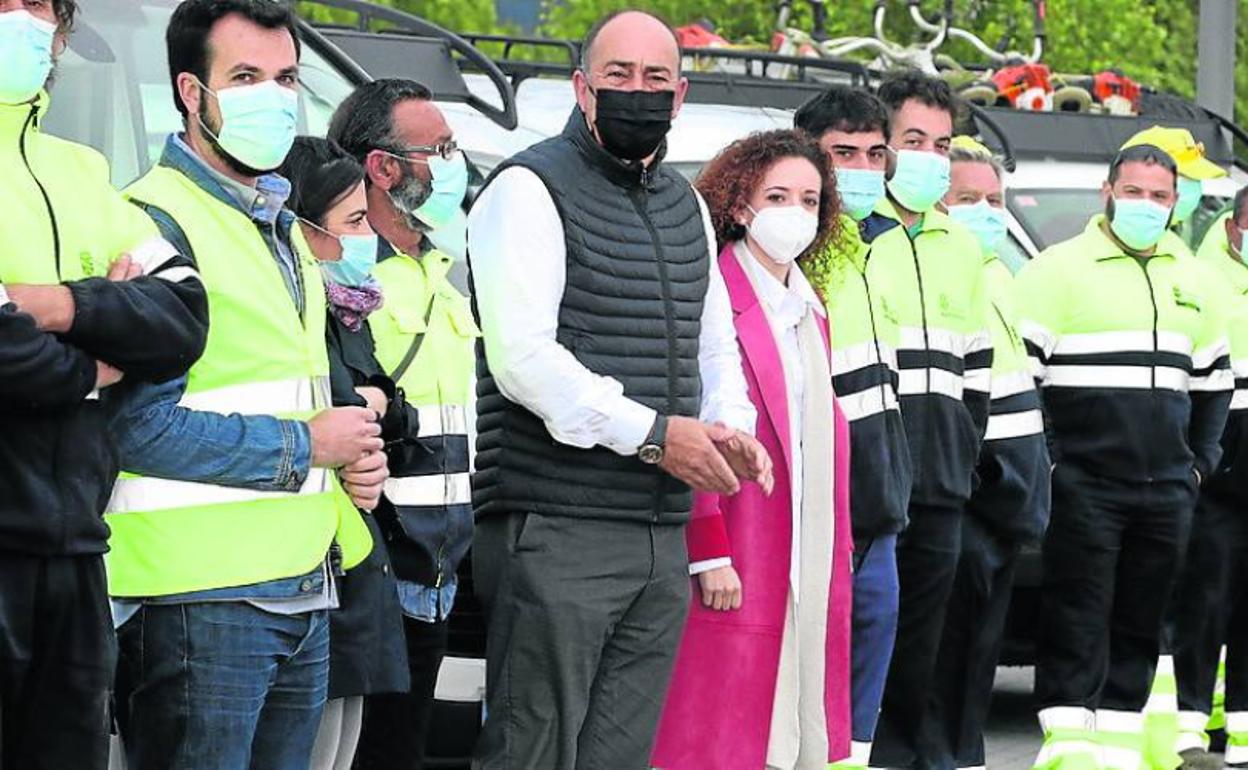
[[152, 326], [39, 370]]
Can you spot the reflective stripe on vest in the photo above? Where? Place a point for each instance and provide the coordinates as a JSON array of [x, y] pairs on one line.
[[865, 403], [443, 420], [290, 399], [862, 355], [1016, 425], [436, 489], [918, 382], [279, 397], [138, 494], [1239, 367]]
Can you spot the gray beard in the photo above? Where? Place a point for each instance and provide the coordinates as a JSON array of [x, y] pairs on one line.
[[409, 195]]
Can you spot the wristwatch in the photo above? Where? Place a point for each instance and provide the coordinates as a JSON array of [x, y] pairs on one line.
[[651, 452]]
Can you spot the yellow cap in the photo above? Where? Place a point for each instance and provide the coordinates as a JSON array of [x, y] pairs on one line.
[[1188, 154], [965, 142]]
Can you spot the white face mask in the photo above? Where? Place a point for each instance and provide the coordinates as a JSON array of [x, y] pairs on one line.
[[784, 232]]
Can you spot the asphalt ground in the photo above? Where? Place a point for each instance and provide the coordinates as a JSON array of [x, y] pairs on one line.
[[1013, 737]]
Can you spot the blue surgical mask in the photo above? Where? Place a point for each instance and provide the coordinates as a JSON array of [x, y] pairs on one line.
[[985, 221], [27, 45], [359, 257], [860, 189], [450, 183], [1190, 193], [452, 239], [1139, 223], [258, 123], [920, 179]]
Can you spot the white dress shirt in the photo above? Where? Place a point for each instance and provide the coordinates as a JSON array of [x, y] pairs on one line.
[[786, 306], [519, 269]]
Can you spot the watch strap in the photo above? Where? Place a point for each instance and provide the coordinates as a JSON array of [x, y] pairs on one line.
[[658, 432]]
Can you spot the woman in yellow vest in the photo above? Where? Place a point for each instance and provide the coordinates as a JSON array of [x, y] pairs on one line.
[[367, 651]]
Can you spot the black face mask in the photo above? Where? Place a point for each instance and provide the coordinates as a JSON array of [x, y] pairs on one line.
[[632, 124]]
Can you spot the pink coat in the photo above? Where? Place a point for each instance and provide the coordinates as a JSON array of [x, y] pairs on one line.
[[718, 710]]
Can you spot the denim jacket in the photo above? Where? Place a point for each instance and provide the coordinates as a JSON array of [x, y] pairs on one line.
[[156, 437]]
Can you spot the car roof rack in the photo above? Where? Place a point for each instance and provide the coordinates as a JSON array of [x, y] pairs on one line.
[[1089, 137], [738, 76], [389, 43]]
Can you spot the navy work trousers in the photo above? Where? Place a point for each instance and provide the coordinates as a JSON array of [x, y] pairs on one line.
[[927, 561], [1111, 556], [1209, 608], [874, 630], [969, 650]]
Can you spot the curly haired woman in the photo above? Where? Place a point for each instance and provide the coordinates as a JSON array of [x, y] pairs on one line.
[[762, 676]]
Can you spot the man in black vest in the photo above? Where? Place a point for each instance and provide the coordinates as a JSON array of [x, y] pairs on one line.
[[610, 386]]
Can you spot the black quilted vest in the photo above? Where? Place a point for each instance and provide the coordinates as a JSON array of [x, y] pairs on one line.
[[637, 273]]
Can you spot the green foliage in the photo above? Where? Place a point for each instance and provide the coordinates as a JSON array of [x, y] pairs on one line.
[[1153, 41], [1241, 65], [745, 21], [456, 15]]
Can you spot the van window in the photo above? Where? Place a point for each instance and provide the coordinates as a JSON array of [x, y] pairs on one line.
[[111, 88], [1052, 215]]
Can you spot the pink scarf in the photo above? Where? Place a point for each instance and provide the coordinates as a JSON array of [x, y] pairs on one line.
[[351, 305]]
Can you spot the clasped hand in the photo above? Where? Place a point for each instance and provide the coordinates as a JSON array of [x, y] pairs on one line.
[[714, 457]]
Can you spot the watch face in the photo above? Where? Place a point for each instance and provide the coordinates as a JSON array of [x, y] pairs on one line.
[[651, 454]]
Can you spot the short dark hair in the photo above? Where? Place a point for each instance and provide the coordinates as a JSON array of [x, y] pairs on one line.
[[365, 120], [904, 85], [187, 37], [841, 108], [1147, 154], [591, 36], [320, 174], [1241, 203], [65, 11]]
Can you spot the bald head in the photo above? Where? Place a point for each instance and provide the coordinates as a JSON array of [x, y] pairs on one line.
[[634, 35], [630, 51]]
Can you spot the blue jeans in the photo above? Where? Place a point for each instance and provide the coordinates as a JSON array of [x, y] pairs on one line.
[[221, 686], [874, 630]]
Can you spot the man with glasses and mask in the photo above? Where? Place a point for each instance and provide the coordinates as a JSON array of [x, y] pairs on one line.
[[426, 338], [611, 387], [90, 296], [229, 527]]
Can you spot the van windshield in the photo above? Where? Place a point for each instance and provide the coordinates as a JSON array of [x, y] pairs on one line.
[[1051, 215], [112, 92]]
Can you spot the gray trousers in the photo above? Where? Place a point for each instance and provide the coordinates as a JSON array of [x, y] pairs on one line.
[[585, 616]]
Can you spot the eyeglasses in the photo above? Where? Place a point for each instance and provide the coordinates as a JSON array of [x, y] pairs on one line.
[[446, 150]]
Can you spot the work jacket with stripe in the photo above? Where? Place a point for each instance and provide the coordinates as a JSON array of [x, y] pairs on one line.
[[1229, 275], [427, 510], [64, 223], [944, 353], [865, 376], [1131, 355], [1012, 497]]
